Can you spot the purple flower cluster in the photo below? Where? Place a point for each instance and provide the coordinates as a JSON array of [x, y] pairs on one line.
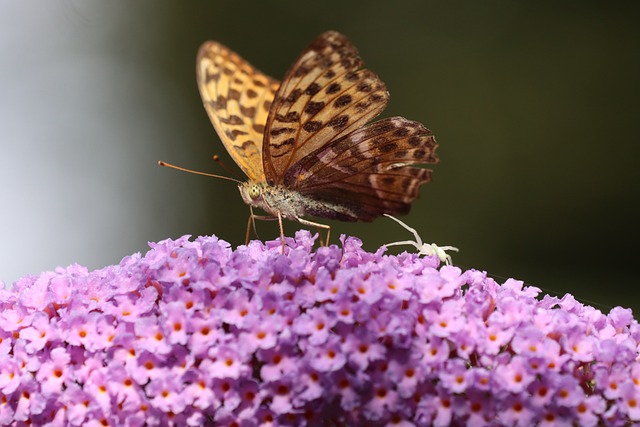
[[194, 333]]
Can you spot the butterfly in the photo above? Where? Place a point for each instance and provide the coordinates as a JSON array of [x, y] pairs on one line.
[[305, 145]]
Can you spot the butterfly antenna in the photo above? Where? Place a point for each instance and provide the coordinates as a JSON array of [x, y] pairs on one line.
[[217, 159], [169, 165]]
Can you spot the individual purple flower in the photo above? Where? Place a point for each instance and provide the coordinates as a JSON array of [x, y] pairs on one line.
[[195, 333], [382, 404], [316, 323], [453, 378], [589, 410], [198, 393], [611, 380], [361, 350], [39, 333], [176, 323], [10, 375], [152, 336], [226, 361], [435, 352], [496, 337], [514, 376], [516, 411], [53, 372], [260, 335], [97, 386], [481, 408], [630, 401], [346, 388], [435, 285], [307, 386], [205, 332], [228, 392], [75, 400], [447, 319], [443, 410], [580, 348], [278, 363], [30, 402], [540, 392], [123, 388], [147, 367], [327, 357], [166, 394], [568, 392]]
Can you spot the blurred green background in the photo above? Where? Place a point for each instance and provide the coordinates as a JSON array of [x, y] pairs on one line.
[[535, 106]]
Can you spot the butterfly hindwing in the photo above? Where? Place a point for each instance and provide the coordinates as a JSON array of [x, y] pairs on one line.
[[325, 95], [370, 170], [237, 98]]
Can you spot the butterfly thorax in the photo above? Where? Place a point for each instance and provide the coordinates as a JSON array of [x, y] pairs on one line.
[[290, 203]]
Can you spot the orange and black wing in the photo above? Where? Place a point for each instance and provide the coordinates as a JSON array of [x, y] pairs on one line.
[[324, 96], [237, 98]]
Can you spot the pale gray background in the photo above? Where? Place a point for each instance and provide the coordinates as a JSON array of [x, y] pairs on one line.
[[535, 106]]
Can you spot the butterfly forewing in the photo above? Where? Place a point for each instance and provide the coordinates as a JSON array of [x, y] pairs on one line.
[[324, 96], [237, 98], [369, 169]]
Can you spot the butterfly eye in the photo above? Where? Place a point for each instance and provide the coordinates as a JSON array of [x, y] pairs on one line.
[[254, 192]]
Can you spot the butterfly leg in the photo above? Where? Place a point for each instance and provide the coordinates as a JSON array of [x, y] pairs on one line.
[[252, 221], [281, 230], [253, 217], [249, 223], [318, 226], [246, 240]]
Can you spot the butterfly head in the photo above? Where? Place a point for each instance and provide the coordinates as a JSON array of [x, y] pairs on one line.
[[253, 193]]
